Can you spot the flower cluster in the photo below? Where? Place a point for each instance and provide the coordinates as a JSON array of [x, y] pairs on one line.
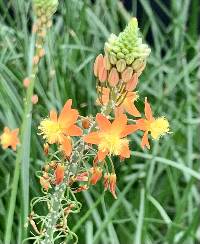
[[71, 140]]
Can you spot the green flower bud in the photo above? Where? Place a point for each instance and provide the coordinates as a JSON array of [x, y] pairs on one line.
[[45, 7], [127, 46], [137, 64], [113, 58], [121, 65]]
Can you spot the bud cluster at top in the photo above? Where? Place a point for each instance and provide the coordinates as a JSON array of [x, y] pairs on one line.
[[45, 7], [127, 49]]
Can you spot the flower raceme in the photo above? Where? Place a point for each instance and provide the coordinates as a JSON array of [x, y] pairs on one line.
[[9, 138], [111, 137], [156, 126], [59, 129]]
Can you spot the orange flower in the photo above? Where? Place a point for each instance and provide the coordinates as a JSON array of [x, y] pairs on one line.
[[59, 129], [96, 174], [9, 138], [110, 137], [157, 127], [59, 174]]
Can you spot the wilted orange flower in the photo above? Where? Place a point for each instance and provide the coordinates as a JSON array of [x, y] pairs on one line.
[[113, 180], [59, 174], [59, 129], [157, 127], [110, 183], [110, 137], [9, 138], [96, 174]]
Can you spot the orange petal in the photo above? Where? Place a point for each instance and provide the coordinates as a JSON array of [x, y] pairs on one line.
[[131, 85], [145, 141], [74, 130], [101, 155], [141, 124], [147, 110], [131, 109], [103, 123], [66, 146], [119, 124], [92, 138], [66, 109], [129, 129], [125, 152], [53, 115]]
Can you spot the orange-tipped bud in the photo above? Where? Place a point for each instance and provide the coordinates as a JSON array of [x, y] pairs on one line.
[[36, 60], [113, 77], [41, 52], [26, 82], [98, 64], [132, 83], [106, 181], [102, 74], [107, 63], [113, 180], [45, 183], [86, 123], [127, 74], [34, 99], [46, 148], [59, 174], [96, 174]]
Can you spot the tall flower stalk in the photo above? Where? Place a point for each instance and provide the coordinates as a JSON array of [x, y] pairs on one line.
[[43, 11], [71, 140]]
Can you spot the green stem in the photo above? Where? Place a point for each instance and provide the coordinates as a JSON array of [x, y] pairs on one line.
[[26, 121]]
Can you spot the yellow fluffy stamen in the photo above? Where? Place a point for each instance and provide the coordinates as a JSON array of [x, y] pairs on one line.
[[159, 127], [112, 143], [6, 138], [51, 131]]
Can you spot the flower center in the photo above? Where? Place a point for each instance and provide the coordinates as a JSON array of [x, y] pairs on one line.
[[112, 143], [6, 138], [159, 127], [51, 131]]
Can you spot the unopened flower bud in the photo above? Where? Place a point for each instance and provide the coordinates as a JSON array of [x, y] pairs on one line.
[[112, 58], [127, 74], [137, 64], [86, 123], [41, 53], [26, 82], [36, 60], [121, 65], [102, 74], [98, 64], [107, 63], [34, 99], [113, 77]]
